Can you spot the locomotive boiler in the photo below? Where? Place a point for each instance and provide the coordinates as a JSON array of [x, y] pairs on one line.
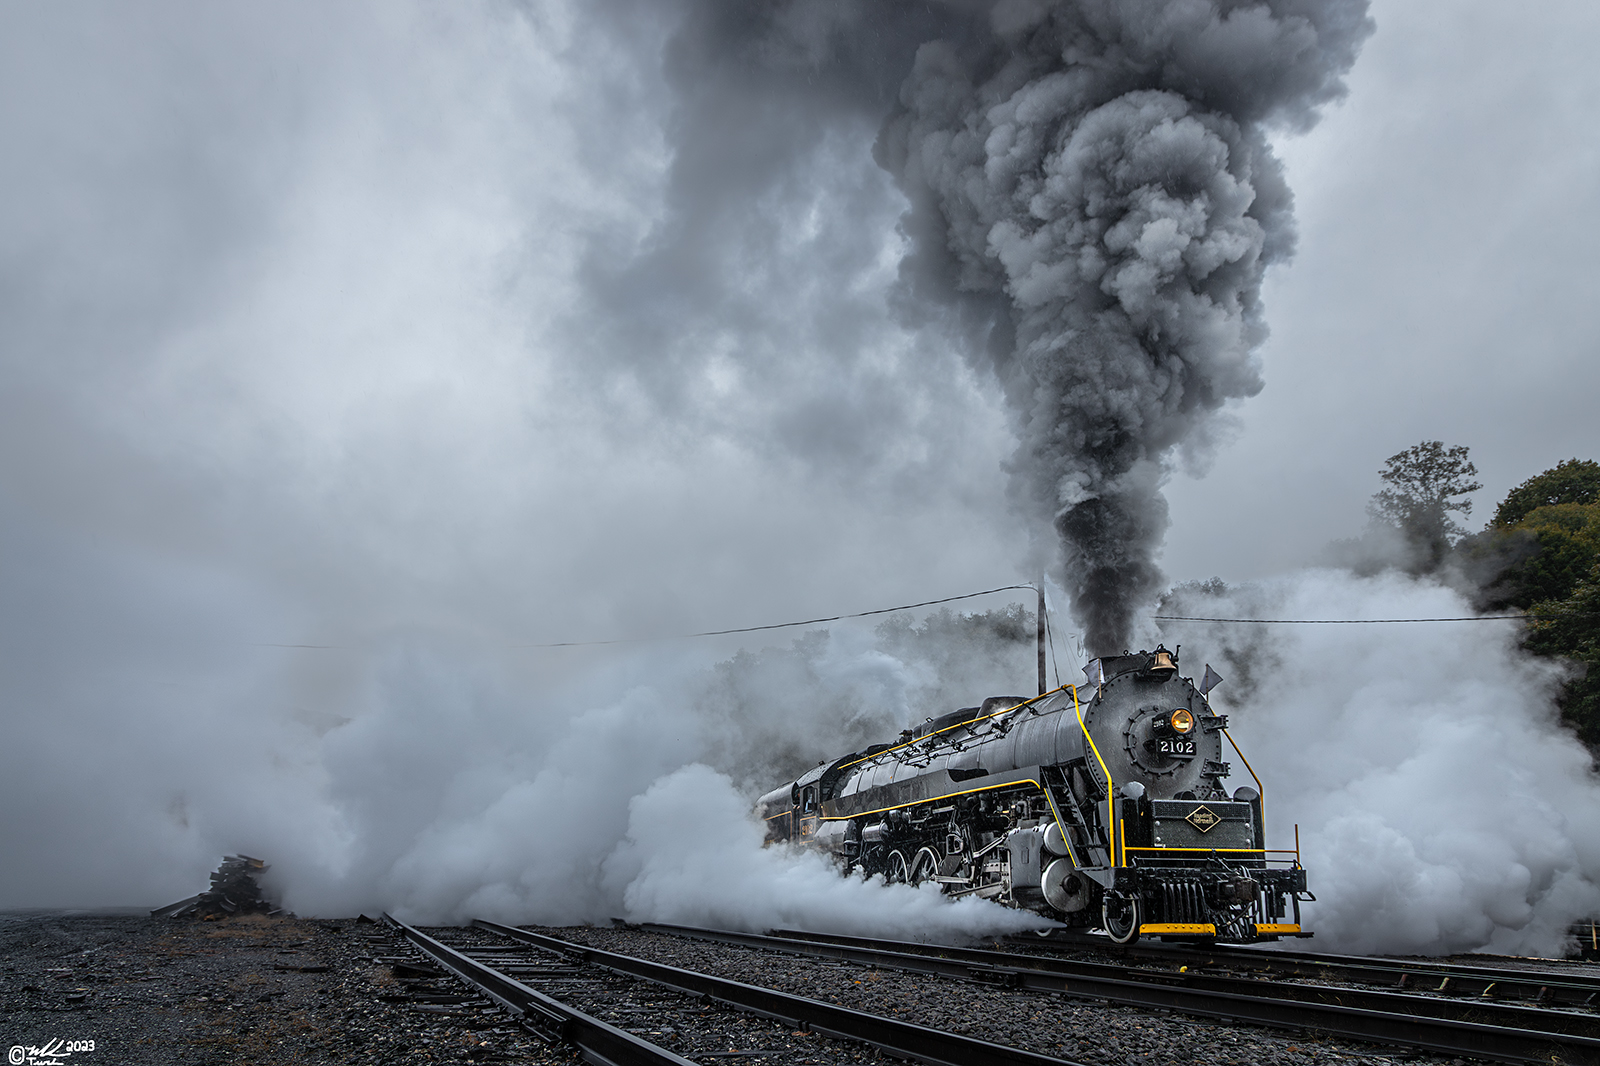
[[1101, 806]]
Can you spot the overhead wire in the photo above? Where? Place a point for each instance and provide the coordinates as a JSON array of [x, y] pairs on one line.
[[1049, 630], [779, 625], [1346, 621]]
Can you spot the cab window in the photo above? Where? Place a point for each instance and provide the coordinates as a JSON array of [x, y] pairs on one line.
[[808, 800]]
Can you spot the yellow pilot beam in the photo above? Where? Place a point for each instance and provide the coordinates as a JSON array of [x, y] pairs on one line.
[[1178, 929]]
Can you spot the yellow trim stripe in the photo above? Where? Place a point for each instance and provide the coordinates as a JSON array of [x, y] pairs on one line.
[[1179, 929], [1259, 786], [1207, 850], [957, 725], [935, 799], [1111, 786], [1271, 930], [1066, 837]]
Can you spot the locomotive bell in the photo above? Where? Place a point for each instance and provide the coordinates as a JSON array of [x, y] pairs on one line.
[[1162, 665]]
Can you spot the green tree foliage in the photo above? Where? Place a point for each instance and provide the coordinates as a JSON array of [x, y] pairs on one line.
[[1567, 536], [1544, 540], [1570, 481], [1423, 489], [1547, 533], [1569, 628]]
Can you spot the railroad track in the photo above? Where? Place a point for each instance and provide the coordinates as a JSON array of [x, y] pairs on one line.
[[606, 1004], [1573, 988], [1479, 1027]]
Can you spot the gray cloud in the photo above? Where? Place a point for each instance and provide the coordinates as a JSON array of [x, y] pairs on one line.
[[294, 352], [428, 334], [1093, 203]]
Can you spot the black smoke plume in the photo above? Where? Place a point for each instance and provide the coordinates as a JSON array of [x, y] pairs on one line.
[[1093, 182], [1093, 202]]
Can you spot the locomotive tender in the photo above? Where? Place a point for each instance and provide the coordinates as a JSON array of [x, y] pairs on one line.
[[1101, 807]]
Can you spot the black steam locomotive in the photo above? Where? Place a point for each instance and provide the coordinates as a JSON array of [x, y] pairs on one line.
[[1099, 806]]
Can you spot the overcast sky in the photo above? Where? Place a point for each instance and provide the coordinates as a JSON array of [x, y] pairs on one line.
[[1443, 287], [365, 324]]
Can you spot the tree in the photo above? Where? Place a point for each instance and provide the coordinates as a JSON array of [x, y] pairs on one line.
[[1544, 540], [1424, 486], [1567, 546], [1569, 628], [1546, 535], [1569, 481]]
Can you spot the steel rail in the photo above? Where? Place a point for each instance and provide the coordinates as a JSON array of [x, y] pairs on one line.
[[891, 1034], [599, 1043], [1444, 1000], [1482, 1029], [1465, 978], [1456, 979]]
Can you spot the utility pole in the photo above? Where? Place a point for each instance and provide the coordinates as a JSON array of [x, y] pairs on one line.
[[1040, 588]]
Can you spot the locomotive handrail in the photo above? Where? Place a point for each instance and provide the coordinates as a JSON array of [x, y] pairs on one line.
[[957, 725], [1111, 786], [1006, 783], [1261, 790]]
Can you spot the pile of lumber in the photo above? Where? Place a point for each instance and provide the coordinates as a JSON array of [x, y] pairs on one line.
[[233, 890]]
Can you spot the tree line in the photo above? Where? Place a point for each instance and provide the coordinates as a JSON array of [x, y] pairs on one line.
[[1539, 555]]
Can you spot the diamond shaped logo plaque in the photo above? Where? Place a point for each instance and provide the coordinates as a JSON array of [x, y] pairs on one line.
[[1203, 819]]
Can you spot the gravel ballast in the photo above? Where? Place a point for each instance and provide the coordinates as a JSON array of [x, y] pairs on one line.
[[260, 989], [1085, 1031], [245, 989]]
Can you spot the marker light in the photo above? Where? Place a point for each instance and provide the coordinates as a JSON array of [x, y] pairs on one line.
[[1181, 721]]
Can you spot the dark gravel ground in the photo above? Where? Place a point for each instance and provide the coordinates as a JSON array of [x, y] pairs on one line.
[[254, 989], [246, 989], [1086, 1032], [702, 1032]]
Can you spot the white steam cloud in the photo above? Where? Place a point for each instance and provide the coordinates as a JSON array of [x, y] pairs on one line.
[[716, 874], [469, 803], [1441, 807], [421, 333]]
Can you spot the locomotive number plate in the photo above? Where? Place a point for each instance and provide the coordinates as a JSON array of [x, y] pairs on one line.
[[1175, 746]]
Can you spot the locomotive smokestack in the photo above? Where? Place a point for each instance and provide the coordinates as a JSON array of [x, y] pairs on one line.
[[1040, 621]]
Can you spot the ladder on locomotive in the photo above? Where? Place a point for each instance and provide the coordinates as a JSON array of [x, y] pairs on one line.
[[1090, 847]]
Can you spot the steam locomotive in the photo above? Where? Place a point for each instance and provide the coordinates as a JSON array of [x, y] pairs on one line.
[[1101, 806]]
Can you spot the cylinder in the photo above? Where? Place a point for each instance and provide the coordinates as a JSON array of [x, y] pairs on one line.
[[1054, 842], [1064, 888]]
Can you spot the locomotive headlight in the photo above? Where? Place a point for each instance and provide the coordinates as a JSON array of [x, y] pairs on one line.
[[1181, 721]]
